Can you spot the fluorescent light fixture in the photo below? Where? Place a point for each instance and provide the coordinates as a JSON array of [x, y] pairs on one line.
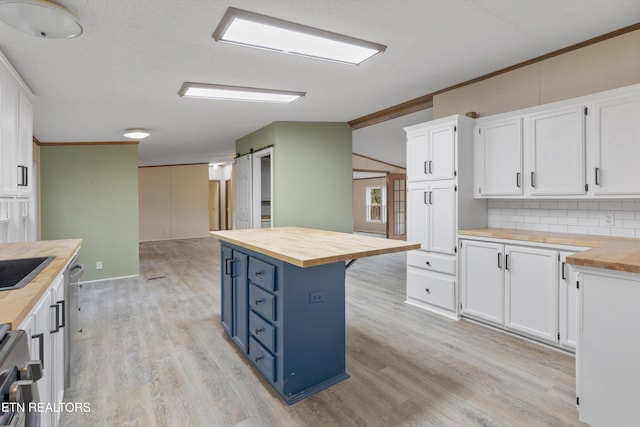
[[137, 133], [264, 32], [40, 18], [237, 93]]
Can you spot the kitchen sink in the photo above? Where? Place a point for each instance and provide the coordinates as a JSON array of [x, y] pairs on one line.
[[16, 273]]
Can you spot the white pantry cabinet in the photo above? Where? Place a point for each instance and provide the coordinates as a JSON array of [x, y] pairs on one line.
[[519, 287], [498, 152], [439, 201]]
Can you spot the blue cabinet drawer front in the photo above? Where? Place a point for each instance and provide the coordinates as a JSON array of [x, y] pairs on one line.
[[263, 331], [262, 274], [262, 302], [262, 359]]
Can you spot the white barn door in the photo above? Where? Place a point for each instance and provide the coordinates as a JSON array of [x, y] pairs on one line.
[[244, 199]]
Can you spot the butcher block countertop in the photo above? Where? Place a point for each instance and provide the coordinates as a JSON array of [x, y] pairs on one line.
[[17, 303], [611, 253], [306, 247]]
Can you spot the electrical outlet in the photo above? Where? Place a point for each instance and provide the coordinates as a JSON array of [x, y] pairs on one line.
[[316, 297], [608, 218], [98, 265]]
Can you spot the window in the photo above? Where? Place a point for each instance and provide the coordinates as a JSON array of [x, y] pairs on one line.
[[376, 201]]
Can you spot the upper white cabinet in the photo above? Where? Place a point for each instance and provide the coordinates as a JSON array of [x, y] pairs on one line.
[[498, 151], [16, 133], [556, 144], [615, 141], [578, 148], [431, 153]]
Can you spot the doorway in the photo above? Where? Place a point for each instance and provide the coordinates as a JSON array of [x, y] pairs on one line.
[[396, 206]]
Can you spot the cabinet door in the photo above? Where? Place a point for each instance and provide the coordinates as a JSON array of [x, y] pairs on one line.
[[531, 289], [57, 344], [442, 218], [616, 147], [8, 134], [417, 156], [418, 213], [240, 300], [442, 159], [557, 152], [25, 145], [41, 350], [482, 280], [499, 158], [568, 304], [226, 288]]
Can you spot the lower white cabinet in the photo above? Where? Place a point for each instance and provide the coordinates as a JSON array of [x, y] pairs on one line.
[[431, 282], [522, 289], [607, 374], [43, 326]]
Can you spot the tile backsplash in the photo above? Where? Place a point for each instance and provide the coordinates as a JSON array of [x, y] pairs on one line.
[[605, 217]]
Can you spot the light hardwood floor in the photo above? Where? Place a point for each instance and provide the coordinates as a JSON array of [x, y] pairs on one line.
[[152, 352]]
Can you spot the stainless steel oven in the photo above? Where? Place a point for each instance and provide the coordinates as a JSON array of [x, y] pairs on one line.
[[18, 377]]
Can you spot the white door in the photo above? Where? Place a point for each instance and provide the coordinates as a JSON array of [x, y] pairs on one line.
[[616, 147], [40, 347], [482, 280], [417, 156], [557, 152], [499, 158], [442, 160], [25, 145], [442, 218], [531, 289], [568, 304], [244, 198], [8, 135], [418, 212], [57, 343]]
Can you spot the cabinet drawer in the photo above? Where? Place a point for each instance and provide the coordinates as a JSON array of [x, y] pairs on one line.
[[262, 274], [263, 331], [262, 302], [431, 288], [433, 262], [262, 359]]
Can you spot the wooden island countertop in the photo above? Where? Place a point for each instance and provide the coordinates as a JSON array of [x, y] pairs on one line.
[[610, 253], [16, 304], [305, 247]]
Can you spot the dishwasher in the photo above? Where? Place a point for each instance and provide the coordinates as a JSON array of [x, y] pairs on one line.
[[71, 284]]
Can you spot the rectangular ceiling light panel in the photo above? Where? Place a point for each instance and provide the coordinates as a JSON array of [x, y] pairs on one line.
[[237, 93], [264, 32]]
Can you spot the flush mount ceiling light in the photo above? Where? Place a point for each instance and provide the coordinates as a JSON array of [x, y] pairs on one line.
[[40, 18], [264, 32], [237, 93], [136, 133]]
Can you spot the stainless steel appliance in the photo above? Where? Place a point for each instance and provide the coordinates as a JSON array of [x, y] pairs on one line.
[[71, 278], [18, 377]]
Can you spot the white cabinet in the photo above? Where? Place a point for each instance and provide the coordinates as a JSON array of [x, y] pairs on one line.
[[25, 145], [440, 165], [431, 152], [531, 292], [615, 146], [524, 289], [433, 212], [9, 95], [556, 144], [568, 304], [482, 281], [607, 374], [43, 326], [498, 157]]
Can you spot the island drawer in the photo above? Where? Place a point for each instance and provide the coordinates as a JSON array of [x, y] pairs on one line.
[[431, 288], [262, 359], [262, 274], [434, 262], [262, 302], [263, 331]]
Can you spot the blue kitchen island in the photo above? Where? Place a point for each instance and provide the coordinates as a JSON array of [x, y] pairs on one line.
[[283, 301]]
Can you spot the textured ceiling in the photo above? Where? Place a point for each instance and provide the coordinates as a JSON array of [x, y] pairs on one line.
[[126, 68]]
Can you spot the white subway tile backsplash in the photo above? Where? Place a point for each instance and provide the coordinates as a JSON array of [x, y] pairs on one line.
[[611, 217]]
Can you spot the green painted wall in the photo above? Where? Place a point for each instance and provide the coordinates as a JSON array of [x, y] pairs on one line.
[[91, 192], [312, 173]]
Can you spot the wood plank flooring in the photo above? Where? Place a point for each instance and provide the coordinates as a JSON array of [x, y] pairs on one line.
[[152, 352]]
